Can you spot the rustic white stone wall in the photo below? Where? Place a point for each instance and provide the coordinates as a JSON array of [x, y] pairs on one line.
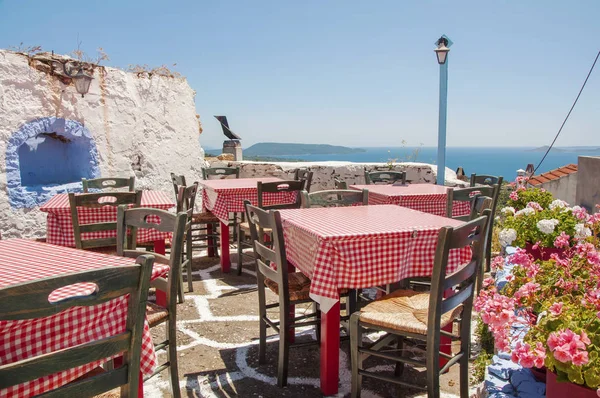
[[324, 172], [141, 126]]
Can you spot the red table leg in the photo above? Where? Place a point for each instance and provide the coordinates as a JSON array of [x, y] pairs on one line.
[[161, 297], [330, 350], [225, 260], [210, 240], [117, 362]]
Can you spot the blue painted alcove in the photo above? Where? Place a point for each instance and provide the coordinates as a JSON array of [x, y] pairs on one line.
[[47, 156]]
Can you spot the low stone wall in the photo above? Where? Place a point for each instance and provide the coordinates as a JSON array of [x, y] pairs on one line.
[[324, 172]]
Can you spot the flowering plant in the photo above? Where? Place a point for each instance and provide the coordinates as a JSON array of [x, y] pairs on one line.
[[541, 225], [548, 313], [521, 196]]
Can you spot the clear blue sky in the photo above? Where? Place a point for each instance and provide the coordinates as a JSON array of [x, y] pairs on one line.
[[357, 73]]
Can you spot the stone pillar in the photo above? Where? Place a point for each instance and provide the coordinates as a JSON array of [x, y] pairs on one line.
[[588, 182], [233, 147]]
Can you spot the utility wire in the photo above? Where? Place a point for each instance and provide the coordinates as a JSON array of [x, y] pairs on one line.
[[568, 114]]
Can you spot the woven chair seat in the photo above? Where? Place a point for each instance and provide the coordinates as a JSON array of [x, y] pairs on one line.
[[244, 226], [298, 283], [204, 218], [404, 310], [155, 314]]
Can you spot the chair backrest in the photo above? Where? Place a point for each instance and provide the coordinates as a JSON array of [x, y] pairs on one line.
[[339, 184], [177, 180], [220, 172], [483, 179], [186, 199], [479, 205], [469, 194], [458, 288], [84, 201], [385, 177], [271, 260], [159, 220], [335, 198], [279, 187], [306, 175], [32, 300], [108, 183]]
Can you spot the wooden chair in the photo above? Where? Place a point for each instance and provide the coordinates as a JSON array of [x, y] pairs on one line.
[[306, 175], [291, 288], [339, 184], [334, 198], [109, 182], [31, 300], [465, 195], [95, 200], [204, 225], [495, 182], [385, 177], [176, 223], [220, 172], [267, 187], [186, 199], [484, 179], [407, 314]]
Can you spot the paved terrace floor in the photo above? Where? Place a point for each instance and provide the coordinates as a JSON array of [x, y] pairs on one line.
[[218, 348]]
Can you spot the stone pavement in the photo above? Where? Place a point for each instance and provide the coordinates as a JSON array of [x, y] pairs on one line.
[[218, 348]]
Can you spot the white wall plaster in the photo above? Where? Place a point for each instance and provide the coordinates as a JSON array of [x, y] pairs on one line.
[[131, 118]]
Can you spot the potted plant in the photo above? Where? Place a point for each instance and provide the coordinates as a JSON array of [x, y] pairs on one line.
[[542, 229], [548, 313]]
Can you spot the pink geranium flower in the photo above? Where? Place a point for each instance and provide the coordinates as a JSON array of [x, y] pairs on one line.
[[562, 241], [514, 196], [556, 308]]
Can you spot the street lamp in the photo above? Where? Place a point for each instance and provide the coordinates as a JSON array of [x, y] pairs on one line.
[[443, 47], [81, 79]]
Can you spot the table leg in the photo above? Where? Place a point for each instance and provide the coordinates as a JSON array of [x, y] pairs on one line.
[[118, 362], [446, 342], [161, 297], [330, 350], [225, 260], [210, 240]]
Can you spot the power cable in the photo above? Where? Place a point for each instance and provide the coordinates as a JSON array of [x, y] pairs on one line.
[[568, 114]]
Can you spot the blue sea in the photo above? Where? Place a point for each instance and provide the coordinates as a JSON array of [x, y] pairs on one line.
[[493, 161]]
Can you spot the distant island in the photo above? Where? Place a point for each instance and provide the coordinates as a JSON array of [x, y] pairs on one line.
[[287, 149], [577, 149]]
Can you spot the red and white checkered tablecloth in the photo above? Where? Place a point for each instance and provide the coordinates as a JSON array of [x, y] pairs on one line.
[[363, 246], [226, 196], [23, 261], [59, 226], [428, 198]]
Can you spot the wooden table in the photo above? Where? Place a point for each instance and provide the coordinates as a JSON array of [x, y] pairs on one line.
[[359, 247], [428, 198], [24, 261], [225, 196], [59, 227]]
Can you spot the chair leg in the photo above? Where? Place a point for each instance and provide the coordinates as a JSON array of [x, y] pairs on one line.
[[216, 227], [172, 358], [189, 255], [315, 308], [433, 370], [262, 314], [284, 345], [355, 344], [240, 241], [465, 346], [399, 369]]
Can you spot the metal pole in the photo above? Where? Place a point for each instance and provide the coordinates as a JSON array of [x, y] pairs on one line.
[[441, 154]]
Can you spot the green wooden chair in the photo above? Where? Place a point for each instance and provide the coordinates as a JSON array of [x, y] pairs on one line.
[[339, 184], [95, 200], [204, 225], [132, 219], [262, 188], [406, 316], [483, 179], [306, 175], [495, 182], [31, 300], [108, 183], [334, 198], [385, 177], [291, 288], [220, 172], [465, 195]]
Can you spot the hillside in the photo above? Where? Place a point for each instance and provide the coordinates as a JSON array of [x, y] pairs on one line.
[[276, 148]]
